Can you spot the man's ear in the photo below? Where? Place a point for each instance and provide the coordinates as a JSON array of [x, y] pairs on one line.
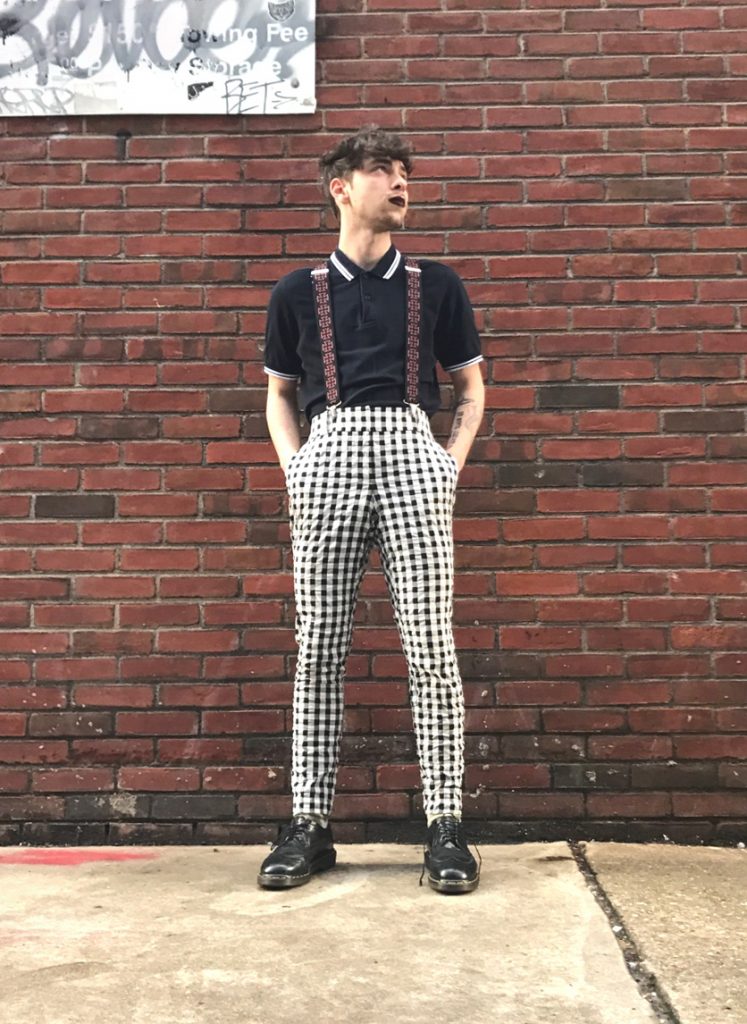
[[338, 188]]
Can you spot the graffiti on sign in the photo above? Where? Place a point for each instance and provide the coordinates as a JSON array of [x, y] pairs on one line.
[[156, 56]]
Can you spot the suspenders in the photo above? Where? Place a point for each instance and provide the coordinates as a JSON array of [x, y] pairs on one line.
[[413, 331], [323, 303]]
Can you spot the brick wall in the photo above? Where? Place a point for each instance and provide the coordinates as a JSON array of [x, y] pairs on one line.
[[584, 168]]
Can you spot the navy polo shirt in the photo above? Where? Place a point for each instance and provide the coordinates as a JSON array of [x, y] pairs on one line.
[[369, 310]]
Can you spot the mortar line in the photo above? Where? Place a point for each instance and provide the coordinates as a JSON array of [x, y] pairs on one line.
[[645, 979]]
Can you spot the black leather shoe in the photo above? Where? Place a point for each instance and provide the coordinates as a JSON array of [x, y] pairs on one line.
[[451, 866], [303, 848]]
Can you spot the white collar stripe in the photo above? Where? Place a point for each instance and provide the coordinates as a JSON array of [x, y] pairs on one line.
[[395, 264], [343, 270]]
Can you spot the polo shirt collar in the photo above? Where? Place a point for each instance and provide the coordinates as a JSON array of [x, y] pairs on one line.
[[385, 268]]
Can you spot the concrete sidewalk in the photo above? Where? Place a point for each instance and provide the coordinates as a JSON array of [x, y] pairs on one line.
[[182, 935]]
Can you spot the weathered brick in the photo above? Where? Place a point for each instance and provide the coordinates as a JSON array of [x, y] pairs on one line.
[[206, 806], [590, 776], [100, 427], [74, 506]]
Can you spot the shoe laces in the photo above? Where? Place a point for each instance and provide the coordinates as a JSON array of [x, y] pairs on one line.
[[297, 831], [448, 831]]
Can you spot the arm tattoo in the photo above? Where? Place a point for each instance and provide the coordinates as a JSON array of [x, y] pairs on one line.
[[465, 416]]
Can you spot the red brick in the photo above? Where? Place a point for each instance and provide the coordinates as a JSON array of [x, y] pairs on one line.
[[508, 776], [629, 805], [481, 45], [156, 723], [355, 779], [198, 749], [73, 780], [267, 666], [153, 559], [163, 615], [12, 724], [711, 747], [373, 805], [244, 779], [629, 748], [561, 43], [582, 720], [33, 751], [389, 720], [158, 780], [201, 170], [203, 586], [376, 693], [539, 638], [538, 692], [709, 805], [540, 805], [398, 777], [98, 695], [714, 42], [14, 780], [671, 720]]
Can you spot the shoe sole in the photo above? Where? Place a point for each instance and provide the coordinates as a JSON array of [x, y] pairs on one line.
[[452, 886], [272, 881]]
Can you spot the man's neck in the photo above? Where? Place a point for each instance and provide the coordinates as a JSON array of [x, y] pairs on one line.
[[365, 248]]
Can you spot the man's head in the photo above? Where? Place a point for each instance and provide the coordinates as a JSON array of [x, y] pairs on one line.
[[364, 177]]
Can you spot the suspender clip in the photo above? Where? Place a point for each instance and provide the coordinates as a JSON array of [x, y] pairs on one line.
[[332, 410]]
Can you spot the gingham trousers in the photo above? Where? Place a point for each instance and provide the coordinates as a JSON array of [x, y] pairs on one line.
[[374, 476]]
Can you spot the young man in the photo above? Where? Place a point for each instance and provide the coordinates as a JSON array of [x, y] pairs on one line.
[[362, 333]]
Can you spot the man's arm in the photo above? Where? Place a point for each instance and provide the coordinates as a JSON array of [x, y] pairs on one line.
[[469, 394], [281, 411]]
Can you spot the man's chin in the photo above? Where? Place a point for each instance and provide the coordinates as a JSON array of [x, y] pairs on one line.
[[392, 221]]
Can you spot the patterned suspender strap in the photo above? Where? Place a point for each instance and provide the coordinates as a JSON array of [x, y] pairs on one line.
[[413, 331], [320, 279]]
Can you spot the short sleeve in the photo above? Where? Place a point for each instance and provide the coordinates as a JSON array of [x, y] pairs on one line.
[[456, 341], [281, 337]]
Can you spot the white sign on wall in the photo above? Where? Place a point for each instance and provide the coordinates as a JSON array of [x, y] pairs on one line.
[[156, 57]]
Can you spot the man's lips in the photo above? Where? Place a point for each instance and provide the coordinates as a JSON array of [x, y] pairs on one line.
[[398, 201]]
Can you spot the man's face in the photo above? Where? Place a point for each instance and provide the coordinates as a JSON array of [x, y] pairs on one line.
[[374, 196]]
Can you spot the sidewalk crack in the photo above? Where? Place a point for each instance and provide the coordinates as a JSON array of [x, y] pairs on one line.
[[645, 979]]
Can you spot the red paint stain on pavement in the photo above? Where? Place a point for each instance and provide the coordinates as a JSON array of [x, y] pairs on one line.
[[10, 936], [65, 857]]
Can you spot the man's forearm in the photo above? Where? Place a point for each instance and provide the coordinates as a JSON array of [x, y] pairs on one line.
[[282, 422], [467, 416]]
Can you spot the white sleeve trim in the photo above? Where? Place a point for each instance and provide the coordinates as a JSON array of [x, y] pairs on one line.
[[285, 376], [460, 366]]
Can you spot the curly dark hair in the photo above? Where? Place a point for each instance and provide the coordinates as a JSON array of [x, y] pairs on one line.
[[351, 153]]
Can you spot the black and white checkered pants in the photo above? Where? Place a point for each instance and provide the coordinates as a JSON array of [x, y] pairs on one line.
[[374, 476]]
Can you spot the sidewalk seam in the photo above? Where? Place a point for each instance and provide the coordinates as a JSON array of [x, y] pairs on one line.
[[646, 981]]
